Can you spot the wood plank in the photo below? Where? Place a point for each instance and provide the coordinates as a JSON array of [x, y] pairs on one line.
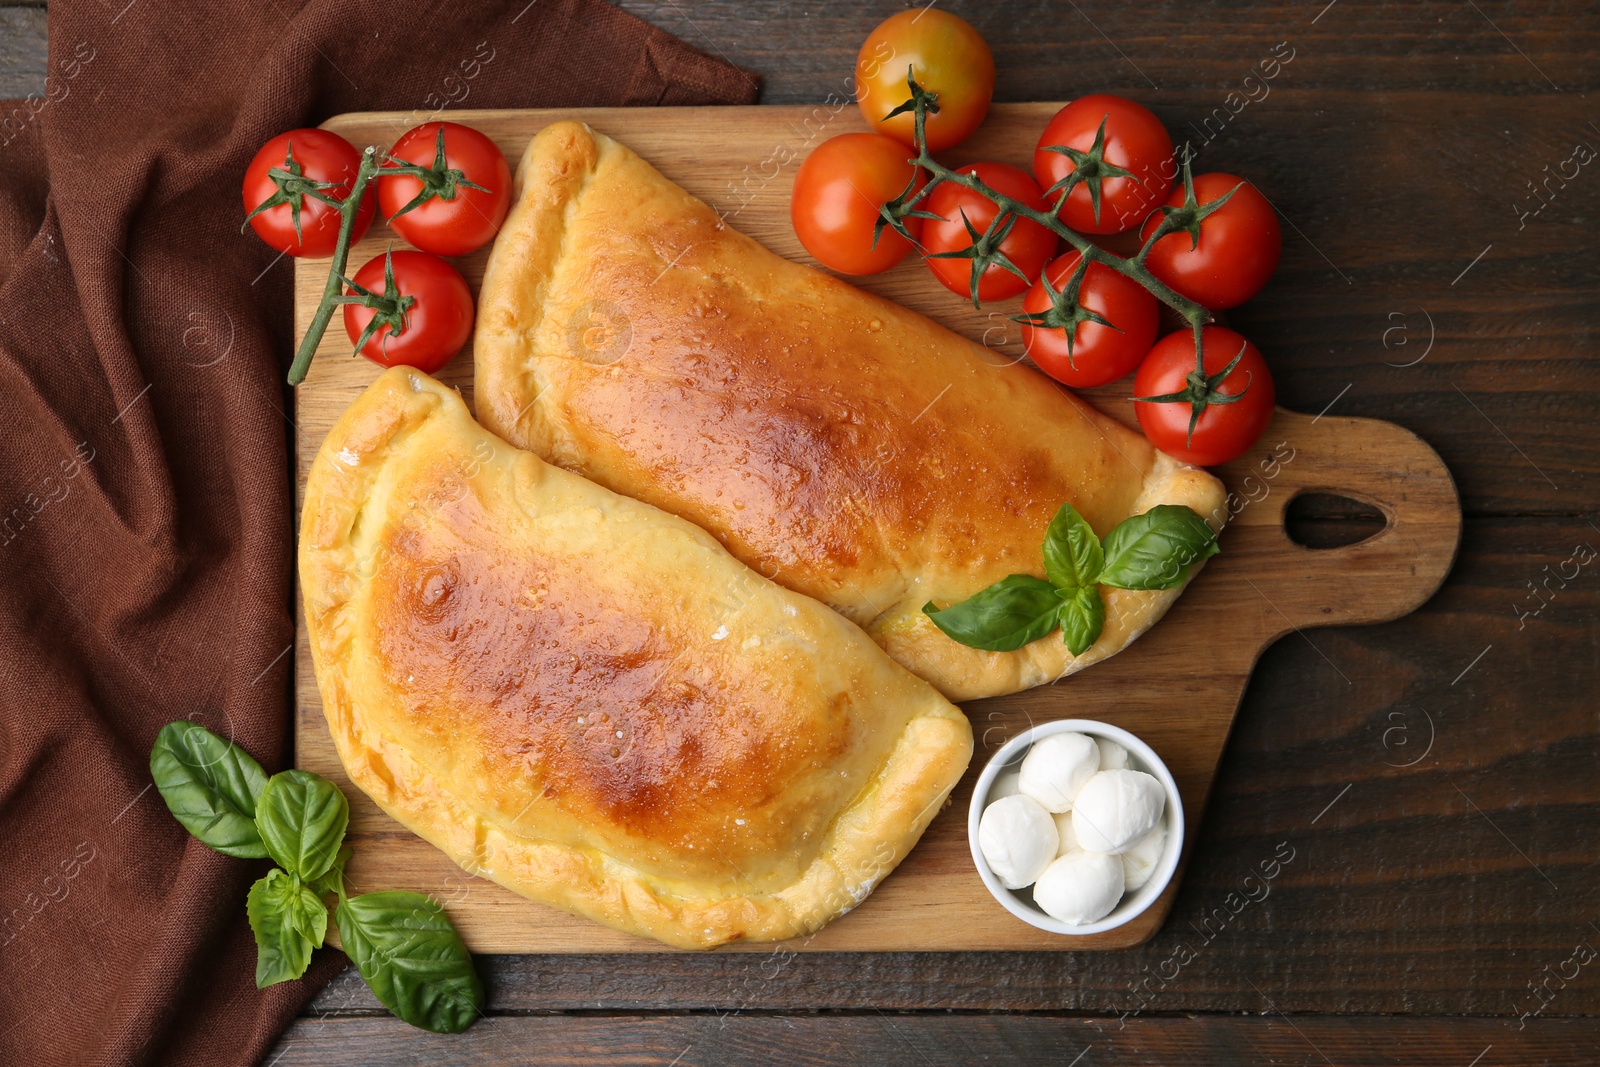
[[1046, 53], [882, 1038], [1263, 585], [23, 63]]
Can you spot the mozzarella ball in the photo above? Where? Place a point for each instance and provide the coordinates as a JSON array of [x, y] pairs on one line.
[[1139, 862], [1006, 784], [1056, 767], [1067, 841], [1018, 840], [1113, 757], [1115, 809], [1081, 887]]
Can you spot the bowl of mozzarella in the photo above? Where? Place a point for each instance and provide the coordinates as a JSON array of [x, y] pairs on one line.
[[1076, 826]]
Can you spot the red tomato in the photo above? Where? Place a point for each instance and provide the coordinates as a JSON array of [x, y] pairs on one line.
[[836, 198], [1238, 250], [1224, 428], [455, 219], [316, 156], [1135, 141], [435, 325], [946, 55], [1028, 245], [1099, 353]]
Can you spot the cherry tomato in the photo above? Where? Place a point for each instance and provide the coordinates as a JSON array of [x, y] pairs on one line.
[[1028, 245], [437, 323], [1134, 140], [457, 219], [316, 156], [1239, 245], [1224, 430], [1099, 353], [836, 198], [946, 55]]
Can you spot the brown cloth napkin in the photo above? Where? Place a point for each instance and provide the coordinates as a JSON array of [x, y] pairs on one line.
[[145, 531]]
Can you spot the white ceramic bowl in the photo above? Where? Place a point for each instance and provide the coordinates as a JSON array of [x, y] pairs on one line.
[[1019, 902]]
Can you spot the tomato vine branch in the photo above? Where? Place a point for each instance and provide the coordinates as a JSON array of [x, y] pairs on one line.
[[348, 209], [985, 248]]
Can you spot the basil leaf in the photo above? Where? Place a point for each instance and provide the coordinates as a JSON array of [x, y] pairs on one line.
[[210, 786], [302, 819], [288, 921], [406, 949], [1005, 616], [1154, 550], [1072, 554], [1083, 616]]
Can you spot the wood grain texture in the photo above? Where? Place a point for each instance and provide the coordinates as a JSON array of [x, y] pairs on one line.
[[23, 63], [1260, 588], [882, 1038]]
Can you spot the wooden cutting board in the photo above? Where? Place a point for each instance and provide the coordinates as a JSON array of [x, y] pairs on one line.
[[1177, 687]]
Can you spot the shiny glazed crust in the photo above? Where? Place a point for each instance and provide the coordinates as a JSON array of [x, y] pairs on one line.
[[588, 700], [844, 446]]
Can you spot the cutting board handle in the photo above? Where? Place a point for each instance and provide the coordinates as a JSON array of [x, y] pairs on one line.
[[1383, 577]]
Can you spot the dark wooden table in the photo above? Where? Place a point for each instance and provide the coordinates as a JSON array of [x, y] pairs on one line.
[[1436, 777]]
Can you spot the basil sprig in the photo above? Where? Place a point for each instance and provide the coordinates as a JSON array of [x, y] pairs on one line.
[[402, 943], [289, 920], [1153, 550]]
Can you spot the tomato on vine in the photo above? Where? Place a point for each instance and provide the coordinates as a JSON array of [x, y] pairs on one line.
[[1090, 327], [292, 187], [1225, 241], [837, 196], [446, 188], [1113, 155], [945, 55], [1204, 418], [408, 308], [964, 256]]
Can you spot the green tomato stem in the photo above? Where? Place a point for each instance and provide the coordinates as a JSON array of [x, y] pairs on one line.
[[1134, 268], [349, 208]]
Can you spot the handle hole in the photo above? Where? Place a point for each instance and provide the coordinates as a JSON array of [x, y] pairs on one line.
[[1328, 520]]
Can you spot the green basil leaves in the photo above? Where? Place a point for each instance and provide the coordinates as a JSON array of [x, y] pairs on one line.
[[210, 786], [1007, 615], [302, 818], [402, 943], [1154, 550], [288, 920], [1082, 617], [407, 951], [1072, 554]]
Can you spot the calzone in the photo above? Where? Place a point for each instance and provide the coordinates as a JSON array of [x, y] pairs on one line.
[[588, 700], [844, 446]]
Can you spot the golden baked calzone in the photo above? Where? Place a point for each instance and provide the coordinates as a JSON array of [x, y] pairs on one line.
[[588, 700], [842, 445]]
